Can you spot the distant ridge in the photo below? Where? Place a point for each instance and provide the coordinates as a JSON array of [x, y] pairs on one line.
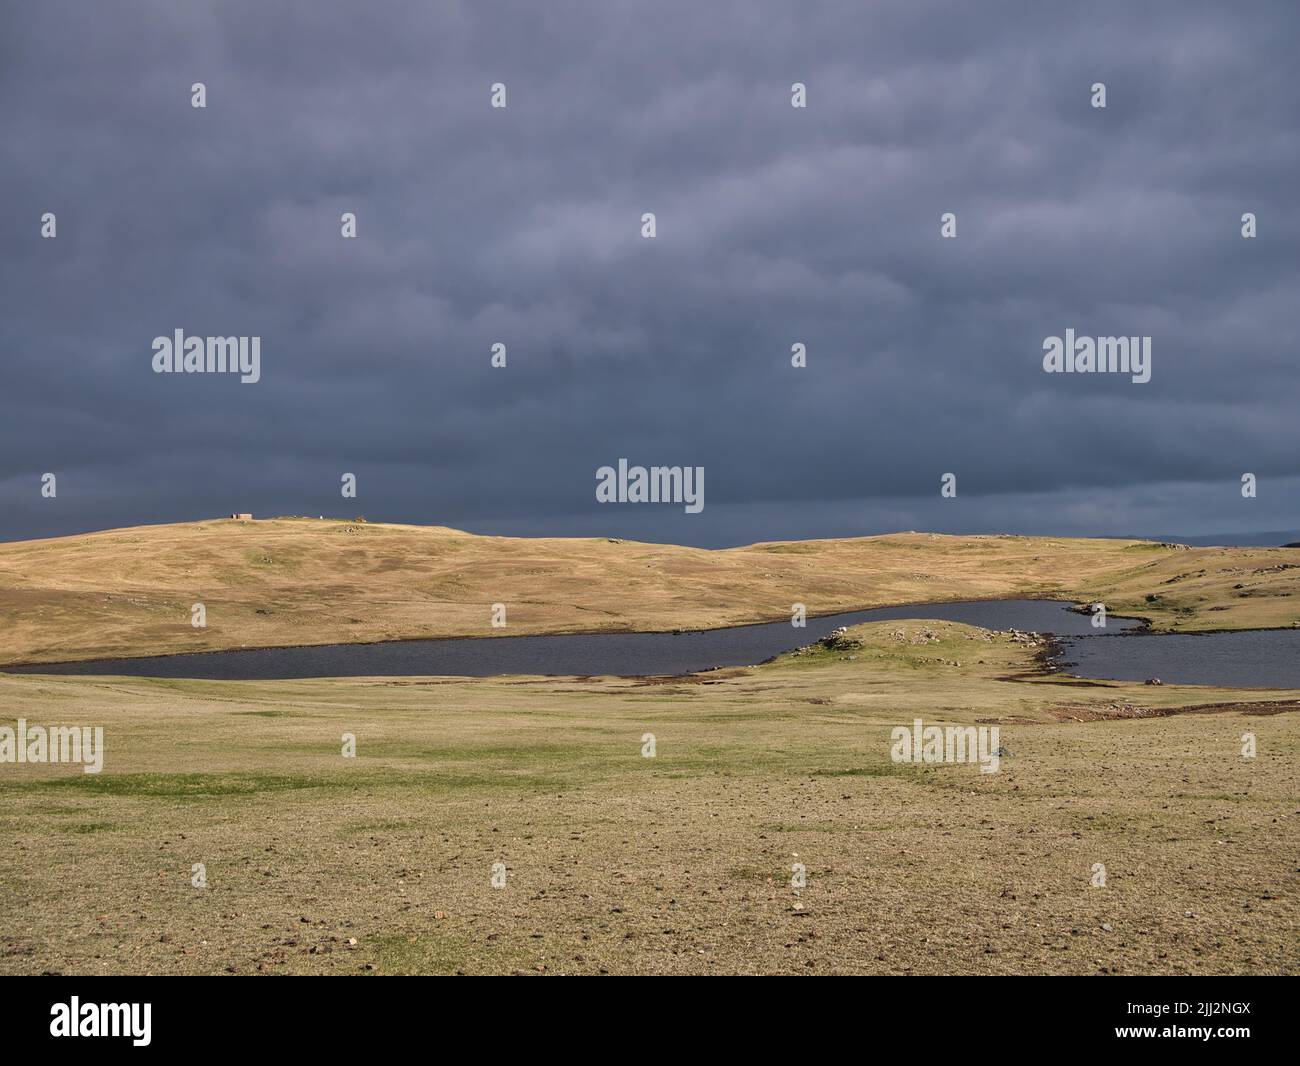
[[1285, 538], [274, 582]]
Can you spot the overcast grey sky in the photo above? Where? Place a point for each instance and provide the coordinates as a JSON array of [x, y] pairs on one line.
[[776, 225]]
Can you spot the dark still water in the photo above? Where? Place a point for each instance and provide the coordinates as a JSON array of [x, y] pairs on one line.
[[1252, 658], [580, 653]]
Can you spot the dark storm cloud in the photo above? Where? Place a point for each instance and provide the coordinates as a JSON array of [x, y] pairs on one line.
[[776, 225]]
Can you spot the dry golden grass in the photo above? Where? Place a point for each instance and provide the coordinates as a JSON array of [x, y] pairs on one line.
[[299, 581], [676, 864]]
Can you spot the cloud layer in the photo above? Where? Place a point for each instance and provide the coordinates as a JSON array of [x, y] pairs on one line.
[[775, 225]]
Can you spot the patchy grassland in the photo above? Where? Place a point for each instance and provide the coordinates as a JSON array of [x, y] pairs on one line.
[[302, 581], [676, 864]]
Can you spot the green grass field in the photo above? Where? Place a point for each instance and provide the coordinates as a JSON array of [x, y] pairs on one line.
[[681, 863]]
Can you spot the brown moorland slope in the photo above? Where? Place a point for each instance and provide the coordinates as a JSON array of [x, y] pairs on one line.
[[295, 581]]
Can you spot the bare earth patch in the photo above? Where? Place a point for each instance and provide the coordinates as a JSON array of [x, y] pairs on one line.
[[1127, 710]]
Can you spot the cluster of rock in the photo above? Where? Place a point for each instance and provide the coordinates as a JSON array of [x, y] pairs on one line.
[[1031, 640], [925, 635], [839, 640]]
